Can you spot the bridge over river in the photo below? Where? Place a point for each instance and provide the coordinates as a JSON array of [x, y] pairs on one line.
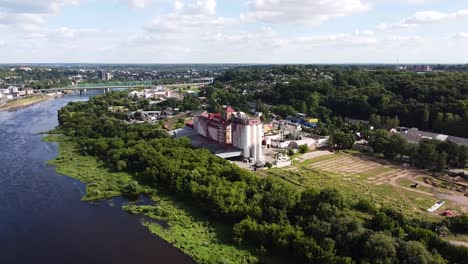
[[107, 86]]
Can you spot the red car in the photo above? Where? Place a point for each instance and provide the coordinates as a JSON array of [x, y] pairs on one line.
[[448, 213]]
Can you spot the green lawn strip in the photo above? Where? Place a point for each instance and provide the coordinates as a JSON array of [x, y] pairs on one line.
[[25, 101], [320, 158], [455, 237], [374, 172], [404, 182], [352, 152]]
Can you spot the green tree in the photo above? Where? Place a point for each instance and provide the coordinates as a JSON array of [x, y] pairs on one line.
[[380, 249], [379, 139], [342, 140], [462, 156], [413, 252], [303, 148], [441, 162], [426, 153]]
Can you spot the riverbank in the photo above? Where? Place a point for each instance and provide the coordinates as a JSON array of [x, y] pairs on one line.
[[182, 225], [24, 102]]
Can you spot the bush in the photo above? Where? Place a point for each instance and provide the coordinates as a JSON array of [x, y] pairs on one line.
[[303, 148], [365, 206]]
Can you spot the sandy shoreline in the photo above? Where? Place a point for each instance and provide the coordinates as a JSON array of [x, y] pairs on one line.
[[26, 104]]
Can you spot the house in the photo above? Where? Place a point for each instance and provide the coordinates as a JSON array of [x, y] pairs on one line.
[[117, 109], [198, 113], [282, 161], [415, 135], [312, 142], [146, 115], [156, 93], [169, 111], [356, 121], [28, 91]]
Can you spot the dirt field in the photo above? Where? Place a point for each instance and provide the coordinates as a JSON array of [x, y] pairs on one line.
[[349, 165], [374, 172]]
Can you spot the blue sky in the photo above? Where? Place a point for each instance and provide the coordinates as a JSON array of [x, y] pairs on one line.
[[234, 31]]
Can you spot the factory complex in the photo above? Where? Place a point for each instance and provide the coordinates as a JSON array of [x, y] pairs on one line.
[[235, 135], [233, 128]]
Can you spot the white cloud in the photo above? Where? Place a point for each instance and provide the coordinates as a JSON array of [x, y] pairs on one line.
[[139, 3], [182, 23], [263, 38], [29, 15], [348, 39], [399, 41], [207, 7], [302, 11], [178, 5], [407, 2], [461, 35], [424, 17]]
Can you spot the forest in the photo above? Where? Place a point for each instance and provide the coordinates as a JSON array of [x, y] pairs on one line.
[[312, 226], [433, 101]]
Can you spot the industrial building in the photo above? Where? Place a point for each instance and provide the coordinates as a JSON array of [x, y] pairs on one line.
[[158, 92], [233, 128]]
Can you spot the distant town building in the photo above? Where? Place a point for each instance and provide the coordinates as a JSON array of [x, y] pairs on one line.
[[204, 80], [23, 68], [421, 68], [104, 75], [158, 92]]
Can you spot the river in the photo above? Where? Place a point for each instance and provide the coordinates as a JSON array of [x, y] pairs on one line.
[[42, 219]]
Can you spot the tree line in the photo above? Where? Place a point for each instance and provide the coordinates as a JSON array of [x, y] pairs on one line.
[[432, 101]]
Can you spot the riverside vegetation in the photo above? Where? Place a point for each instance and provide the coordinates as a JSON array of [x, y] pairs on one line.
[[239, 217], [184, 226]]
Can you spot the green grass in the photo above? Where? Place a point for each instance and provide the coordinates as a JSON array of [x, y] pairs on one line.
[[352, 152], [320, 158], [462, 238], [404, 182], [354, 187], [374, 172], [101, 183], [25, 101], [188, 228]]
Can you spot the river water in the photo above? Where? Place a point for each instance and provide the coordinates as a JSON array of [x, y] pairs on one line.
[[42, 219]]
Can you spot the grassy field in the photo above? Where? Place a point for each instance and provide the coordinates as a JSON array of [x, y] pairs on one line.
[[181, 224], [174, 122], [24, 101], [317, 159], [355, 185]]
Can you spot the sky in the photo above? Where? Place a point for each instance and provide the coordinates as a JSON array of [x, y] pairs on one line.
[[233, 31]]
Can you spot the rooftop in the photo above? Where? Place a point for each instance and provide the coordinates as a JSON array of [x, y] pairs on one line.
[[415, 135]]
